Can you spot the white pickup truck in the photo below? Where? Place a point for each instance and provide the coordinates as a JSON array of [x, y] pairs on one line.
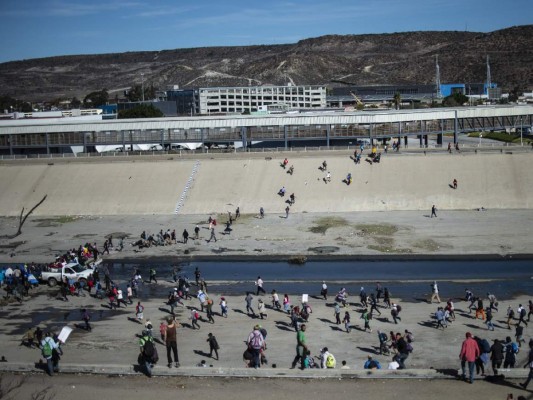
[[72, 271]]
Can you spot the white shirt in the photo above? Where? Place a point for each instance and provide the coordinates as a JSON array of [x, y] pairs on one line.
[[393, 365], [259, 282]]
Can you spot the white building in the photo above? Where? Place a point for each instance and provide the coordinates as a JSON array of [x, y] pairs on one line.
[[230, 100]]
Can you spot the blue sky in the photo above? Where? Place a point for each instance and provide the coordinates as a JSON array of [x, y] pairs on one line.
[[43, 28]]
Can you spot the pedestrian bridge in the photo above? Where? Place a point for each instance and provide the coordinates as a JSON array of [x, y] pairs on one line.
[[282, 130]]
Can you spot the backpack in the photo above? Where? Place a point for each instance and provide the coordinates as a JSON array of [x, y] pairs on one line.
[[47, 349], [410, 338], [150, 352], [409, 348], [330, 361], [399, 308], [523, 312], [140, 308], [257, 341], [515, 348], [485, 346], [383, 337]]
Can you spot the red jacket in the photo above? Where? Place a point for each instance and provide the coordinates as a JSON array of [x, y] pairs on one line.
[[469, 350]]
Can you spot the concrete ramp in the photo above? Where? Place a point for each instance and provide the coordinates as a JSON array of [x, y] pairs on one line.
[[111, 188], [398, 182]]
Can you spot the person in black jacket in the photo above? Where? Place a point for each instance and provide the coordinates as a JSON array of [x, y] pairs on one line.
[[496, 355], [403, 353]]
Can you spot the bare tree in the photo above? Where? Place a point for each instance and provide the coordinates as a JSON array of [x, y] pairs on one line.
[[22, 220]]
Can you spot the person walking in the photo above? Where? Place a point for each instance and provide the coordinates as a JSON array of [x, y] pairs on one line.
[[185, 235], [48, 345], [337, 313], [346, 321], [521, 315], [148, 353], [529, 364], [194, 319], [152, 275], [139, 312], [213, 345], [510, 316], [261, 213], [324, 290], [496, 355], [259, 283], [365, 317], [256, 343], [261, 309], [287, 209], [492, 301], [86, 318], [223, 307], [373, 305], [209, 311], [488, 319], [196, 232], [402, 351], [275, 300], [434, 292], [171, 342], [212, 237], [301, 348], [469, 353], [386, 297], [433, 211], [248, 299]]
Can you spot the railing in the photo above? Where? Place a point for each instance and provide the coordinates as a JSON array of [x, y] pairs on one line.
[[468, 147]]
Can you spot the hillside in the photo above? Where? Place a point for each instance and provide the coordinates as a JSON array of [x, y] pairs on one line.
[[333, 60]]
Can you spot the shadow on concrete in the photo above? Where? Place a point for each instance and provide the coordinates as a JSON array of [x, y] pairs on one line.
[[500, 380], [336, 328], [447, 371], [327, 321], [427, 324], [373, 350], [132, 319], [201, 353], [472, 326]]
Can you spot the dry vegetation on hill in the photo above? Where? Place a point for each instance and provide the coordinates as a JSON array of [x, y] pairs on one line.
[[333, 60]]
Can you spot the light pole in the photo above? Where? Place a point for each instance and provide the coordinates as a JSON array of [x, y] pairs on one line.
[[521, 132], [142, 85], [480, 137]]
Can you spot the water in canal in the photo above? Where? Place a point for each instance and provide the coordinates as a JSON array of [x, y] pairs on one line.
[[409, 280]]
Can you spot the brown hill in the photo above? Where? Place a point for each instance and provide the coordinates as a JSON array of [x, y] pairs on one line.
[[332, 60]]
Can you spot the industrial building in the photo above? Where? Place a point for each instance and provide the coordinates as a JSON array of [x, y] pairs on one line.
[[244, 100]]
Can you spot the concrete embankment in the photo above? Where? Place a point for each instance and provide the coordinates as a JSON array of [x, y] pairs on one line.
[[140, 187]]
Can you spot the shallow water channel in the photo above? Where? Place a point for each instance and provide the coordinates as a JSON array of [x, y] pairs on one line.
[[409, 280]]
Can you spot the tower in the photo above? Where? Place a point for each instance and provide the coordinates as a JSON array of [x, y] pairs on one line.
[[489, 83], [437, 77]]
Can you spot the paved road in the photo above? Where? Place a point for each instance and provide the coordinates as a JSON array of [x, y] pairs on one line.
[[141, 388]]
